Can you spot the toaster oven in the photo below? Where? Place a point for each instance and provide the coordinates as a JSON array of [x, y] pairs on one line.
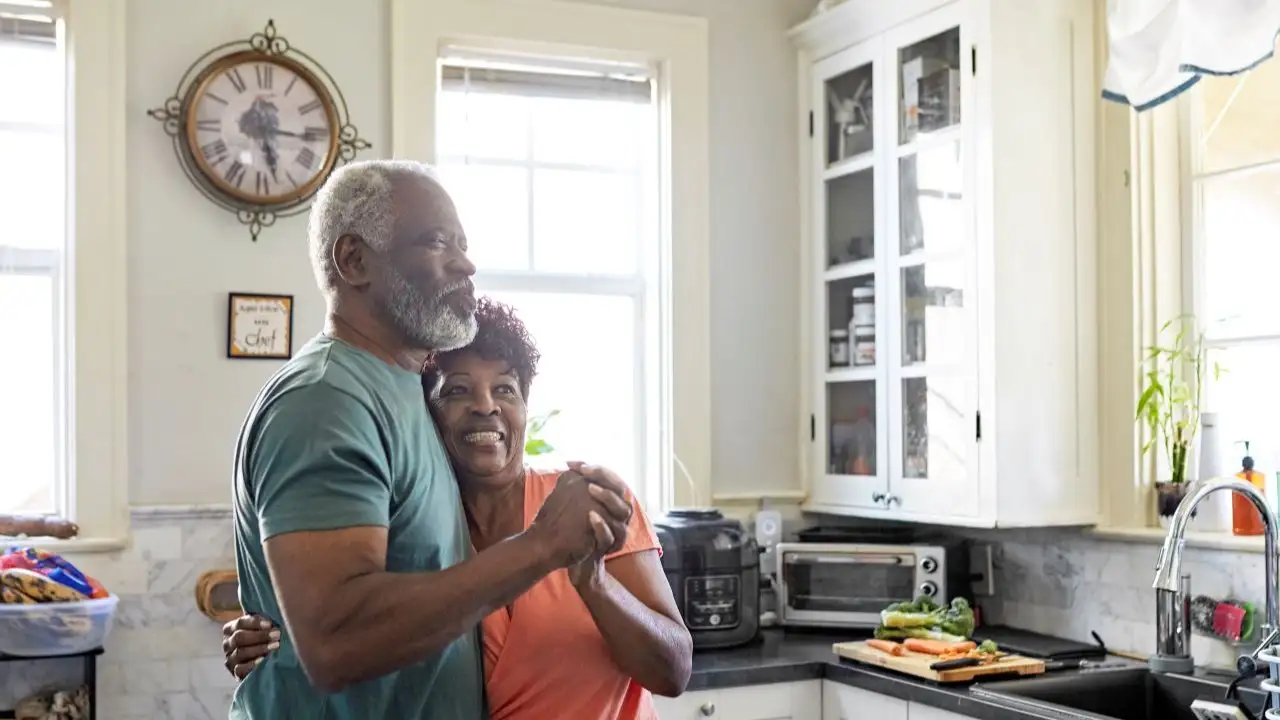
[[846, 585]]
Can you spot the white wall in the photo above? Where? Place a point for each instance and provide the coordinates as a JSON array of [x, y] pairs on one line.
[[187, 400]]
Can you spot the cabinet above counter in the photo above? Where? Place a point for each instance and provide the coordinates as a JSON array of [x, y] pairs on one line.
[[949, 238]]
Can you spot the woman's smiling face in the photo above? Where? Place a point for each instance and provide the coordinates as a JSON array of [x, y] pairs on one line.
[[481, 413]]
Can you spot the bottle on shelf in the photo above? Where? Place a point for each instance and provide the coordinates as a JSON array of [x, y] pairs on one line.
[[1245, 518]]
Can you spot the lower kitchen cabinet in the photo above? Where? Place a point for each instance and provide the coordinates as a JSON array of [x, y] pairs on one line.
[[927, 712], [778, 701], [841, 702]]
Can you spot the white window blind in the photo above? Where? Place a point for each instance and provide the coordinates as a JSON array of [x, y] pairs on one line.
[[553, 165]]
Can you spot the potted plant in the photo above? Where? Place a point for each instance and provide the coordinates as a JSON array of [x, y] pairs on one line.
[[1169, 405], [533, 443]]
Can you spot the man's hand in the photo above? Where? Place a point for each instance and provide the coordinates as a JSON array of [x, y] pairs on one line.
[[581, 518], [611, 537], [246, 642]]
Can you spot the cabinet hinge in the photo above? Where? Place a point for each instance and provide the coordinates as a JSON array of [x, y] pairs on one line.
[[813, 428], [810, 123], [973, 59], [978, 423]]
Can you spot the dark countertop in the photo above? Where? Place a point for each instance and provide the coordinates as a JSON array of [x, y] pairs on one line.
[[789, 656]]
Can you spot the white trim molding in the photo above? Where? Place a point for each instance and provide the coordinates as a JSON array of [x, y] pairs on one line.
[[97, 358], [677, 46]]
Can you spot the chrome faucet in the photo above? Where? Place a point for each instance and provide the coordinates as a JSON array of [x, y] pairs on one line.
[[1173, 631]]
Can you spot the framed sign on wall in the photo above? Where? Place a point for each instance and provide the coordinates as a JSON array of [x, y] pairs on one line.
[[259, 326]]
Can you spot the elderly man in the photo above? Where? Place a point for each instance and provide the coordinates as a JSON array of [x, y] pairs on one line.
[[348, 521]]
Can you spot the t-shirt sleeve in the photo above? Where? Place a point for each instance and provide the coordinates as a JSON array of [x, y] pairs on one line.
[[318, 463]]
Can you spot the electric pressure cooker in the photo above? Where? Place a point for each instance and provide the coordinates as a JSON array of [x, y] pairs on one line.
[[713, 567]]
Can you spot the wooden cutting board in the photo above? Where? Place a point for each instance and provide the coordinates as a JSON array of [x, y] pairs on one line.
[[917, 664]]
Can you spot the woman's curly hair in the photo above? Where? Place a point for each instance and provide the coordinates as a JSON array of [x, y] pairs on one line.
[[500, 335]]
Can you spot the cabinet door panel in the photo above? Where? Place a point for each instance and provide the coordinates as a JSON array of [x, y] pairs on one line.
[[841, 702], [932, 283], [926, 712]]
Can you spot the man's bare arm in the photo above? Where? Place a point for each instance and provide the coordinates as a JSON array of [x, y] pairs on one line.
[[350, 620]]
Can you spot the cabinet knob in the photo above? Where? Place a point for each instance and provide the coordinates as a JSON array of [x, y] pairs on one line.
[[708, 709], [889, 501], [878, 498]]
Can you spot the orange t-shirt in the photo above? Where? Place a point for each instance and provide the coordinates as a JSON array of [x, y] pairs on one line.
[[547, 659]]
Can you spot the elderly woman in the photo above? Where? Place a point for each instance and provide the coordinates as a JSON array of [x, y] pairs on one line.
[[589, 642]]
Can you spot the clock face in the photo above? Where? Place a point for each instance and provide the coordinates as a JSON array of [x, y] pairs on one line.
[[262, 129]]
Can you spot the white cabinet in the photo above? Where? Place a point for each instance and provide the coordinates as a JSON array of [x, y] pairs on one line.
[[841, 702], [928, 712], [778, 701], [950, 320]]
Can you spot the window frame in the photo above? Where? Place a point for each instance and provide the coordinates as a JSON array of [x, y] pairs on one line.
[[94, 490], [677, 46]]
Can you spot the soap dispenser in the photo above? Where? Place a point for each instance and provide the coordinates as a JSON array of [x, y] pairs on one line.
[[1245, 518]]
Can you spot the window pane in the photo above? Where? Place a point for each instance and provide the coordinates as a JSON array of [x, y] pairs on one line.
[[484, 125], [587, 372], [32, 85], [31, 190], [584, 221], [1249, 376], [28, 423], [590, 132], [493, 203], [1240, 214], [1238, 116]]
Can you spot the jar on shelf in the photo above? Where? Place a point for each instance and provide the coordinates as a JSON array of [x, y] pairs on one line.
[[864, 345], [862, 308], [838, 350]]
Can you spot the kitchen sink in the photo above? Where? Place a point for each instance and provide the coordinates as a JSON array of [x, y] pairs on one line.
[[1116, 694]]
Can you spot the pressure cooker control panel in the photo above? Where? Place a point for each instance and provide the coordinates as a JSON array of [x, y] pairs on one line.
[[711, 602]]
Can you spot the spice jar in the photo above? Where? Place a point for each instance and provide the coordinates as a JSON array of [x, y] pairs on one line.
[[838, 355], [862, 310], [864, 345]]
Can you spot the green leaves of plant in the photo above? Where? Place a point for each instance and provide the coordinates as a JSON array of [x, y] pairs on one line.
[[534, 445]]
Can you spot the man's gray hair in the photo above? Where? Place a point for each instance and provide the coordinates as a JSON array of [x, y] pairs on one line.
[[356, 200]]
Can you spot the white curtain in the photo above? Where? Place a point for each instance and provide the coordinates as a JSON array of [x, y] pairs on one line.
[[1159, 48]]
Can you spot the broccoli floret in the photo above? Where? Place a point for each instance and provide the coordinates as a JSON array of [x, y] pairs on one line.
[[988, 648], [955, 619]]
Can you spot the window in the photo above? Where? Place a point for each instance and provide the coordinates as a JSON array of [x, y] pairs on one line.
[[63, 371], [1235, 226], [32, 259], [552, 164]]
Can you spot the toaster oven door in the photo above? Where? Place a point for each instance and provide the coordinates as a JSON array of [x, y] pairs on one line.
[[843, 589]]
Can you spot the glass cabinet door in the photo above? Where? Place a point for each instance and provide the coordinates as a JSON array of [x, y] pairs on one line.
[[932, 367], [849, 444]]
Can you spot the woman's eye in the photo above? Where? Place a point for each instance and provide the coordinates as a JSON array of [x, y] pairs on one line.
[[507, 389], [453, 391]]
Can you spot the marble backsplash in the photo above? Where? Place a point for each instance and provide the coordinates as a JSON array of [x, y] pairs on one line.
[[1068, 584], [163, 658]]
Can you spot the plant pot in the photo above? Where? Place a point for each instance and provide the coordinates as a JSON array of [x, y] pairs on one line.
[[1168, 496]]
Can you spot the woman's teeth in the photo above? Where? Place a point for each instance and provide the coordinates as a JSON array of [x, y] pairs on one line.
[[482, 438]]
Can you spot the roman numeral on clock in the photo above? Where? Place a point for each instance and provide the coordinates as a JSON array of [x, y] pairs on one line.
[[235, 174], [262, 184], [310, 107], [306, 158], [209, 125], [264, 73], [215, 152], [314, 134], [237, 82]]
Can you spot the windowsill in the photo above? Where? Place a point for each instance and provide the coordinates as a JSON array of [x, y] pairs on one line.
[[74, 545], [1156, 536]]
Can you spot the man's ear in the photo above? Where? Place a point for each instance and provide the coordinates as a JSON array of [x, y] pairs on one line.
[[351, 258]]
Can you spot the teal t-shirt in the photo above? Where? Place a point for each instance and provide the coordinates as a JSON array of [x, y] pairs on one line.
[[338, 438]]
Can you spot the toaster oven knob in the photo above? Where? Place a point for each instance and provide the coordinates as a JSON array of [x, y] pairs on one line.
[[708, 709], [929, 565], [928, 589]]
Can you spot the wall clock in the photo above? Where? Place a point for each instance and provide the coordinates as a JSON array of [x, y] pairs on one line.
[[257, 126]]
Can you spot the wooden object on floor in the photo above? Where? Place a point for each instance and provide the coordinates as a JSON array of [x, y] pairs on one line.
[[917, 664], [217, 595]]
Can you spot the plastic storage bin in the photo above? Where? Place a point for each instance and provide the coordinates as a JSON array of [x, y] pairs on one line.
[[45, 629]]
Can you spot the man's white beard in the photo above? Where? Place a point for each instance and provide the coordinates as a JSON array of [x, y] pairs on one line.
[[427, 324]]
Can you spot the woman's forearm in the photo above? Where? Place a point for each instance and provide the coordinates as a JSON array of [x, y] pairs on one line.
[[655, 650]]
